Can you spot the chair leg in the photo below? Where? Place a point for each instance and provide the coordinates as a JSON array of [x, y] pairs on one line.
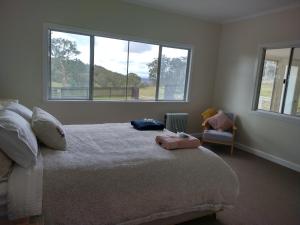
[[231, 149]]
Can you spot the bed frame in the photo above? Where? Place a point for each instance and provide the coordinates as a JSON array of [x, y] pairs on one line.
[[38, 220], [183, 218]]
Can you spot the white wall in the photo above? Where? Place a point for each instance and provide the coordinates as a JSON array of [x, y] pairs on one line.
[[235, 82], [21, 27]]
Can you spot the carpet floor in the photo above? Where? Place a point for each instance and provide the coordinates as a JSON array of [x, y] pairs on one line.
[[269, 193]]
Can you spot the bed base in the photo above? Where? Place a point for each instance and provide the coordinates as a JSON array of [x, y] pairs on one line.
[[38, 220], [183, 218]]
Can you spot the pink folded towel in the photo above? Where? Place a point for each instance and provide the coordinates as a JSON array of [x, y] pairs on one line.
[[171, 142]]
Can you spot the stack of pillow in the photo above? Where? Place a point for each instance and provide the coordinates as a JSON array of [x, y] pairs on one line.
[[217, 119], [20, 131]]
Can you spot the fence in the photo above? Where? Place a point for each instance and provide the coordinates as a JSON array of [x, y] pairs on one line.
[[98, 92]]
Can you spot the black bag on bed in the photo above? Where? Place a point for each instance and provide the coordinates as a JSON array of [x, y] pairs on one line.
[[147, 124]]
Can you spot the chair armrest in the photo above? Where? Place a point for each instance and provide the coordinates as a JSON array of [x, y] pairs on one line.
[[204, 123]]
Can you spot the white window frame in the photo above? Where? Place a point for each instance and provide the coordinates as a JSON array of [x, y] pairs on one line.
[[258, 78], [75, 30]]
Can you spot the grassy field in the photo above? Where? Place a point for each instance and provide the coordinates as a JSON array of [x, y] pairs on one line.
[[147, 93], [266, 89]]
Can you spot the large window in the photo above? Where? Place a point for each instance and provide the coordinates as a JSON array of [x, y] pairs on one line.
[[279, 83], [93, 67]]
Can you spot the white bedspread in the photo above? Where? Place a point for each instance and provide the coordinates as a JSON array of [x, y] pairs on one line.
[[25, 191], [114, 174]]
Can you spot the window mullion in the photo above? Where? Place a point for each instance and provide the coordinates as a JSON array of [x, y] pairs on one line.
[[126, 87], [91, 86], [259, 81], [287, 80], [158, 73], [187, 74], [49, 83]]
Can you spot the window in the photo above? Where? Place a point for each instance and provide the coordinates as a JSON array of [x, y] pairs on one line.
[[82, 66], [279, 83]]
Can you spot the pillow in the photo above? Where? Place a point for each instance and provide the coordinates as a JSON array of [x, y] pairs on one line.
[[209, 113], [220, 121], [48, 129], [6, 101], [19, 109], [5, 165], [17, 140]]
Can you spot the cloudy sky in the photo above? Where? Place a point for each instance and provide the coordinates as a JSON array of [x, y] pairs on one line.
[[112, 53]]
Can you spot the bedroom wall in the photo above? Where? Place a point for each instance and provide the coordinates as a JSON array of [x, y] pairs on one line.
[[21, 24], [235, 83]]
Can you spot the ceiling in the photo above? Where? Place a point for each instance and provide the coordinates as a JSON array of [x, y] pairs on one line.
[[221, 11]]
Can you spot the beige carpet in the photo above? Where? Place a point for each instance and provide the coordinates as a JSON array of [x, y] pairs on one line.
[[269, 193]]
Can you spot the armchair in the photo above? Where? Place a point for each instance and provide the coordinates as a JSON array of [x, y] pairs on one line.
[[220, 137]]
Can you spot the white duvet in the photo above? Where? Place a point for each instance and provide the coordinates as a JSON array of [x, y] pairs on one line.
[[114, 174]]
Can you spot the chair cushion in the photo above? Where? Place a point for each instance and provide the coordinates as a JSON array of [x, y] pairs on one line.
[[214, 135], [220, 121]]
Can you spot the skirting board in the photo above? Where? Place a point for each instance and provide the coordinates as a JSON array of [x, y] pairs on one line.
[[268, 156]]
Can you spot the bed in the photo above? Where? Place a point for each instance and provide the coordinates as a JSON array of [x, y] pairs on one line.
[[114, 174]]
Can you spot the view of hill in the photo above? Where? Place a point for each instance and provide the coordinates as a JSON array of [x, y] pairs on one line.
[[75, 73], [107, 78]]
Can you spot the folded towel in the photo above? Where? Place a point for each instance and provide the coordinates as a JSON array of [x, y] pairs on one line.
[[171, 142], [147, 124]]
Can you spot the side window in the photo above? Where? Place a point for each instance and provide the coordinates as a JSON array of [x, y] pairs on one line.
[[279, 89]]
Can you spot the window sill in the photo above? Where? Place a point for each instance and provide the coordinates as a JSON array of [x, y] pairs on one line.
[[109, 101], [277, 116]]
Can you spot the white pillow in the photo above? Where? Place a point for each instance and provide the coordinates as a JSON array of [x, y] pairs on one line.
[[17, 140], [6, 101], [48, 129], [19, 109]]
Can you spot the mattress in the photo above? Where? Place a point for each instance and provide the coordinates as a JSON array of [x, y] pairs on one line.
[[114, 174]]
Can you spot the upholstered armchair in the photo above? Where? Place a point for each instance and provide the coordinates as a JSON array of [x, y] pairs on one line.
[[220, 137]]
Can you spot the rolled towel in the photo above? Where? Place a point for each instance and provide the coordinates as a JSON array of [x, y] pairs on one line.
[[171, 142]]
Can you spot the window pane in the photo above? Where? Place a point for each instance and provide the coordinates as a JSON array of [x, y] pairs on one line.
[[70, 57], [273, 79], [110, 71], [172, 74], [292, 98], [142, 71]]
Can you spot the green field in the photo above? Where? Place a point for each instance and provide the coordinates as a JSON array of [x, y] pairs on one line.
[[147, 93], [266, 89]]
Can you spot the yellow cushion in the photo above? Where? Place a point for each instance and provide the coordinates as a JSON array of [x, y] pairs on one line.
[[209, 113]]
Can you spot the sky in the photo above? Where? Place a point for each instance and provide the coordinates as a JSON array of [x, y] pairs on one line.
[[112, 53]]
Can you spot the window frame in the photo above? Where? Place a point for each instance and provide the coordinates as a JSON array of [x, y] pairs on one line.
[[259, 73], [48, 27]]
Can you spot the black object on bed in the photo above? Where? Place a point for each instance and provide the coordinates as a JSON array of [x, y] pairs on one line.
[[147, 124]]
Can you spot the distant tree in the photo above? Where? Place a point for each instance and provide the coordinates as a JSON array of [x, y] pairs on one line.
[[63, 49], [172, 74], [134, 80], [152, 67], [66, 68]]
